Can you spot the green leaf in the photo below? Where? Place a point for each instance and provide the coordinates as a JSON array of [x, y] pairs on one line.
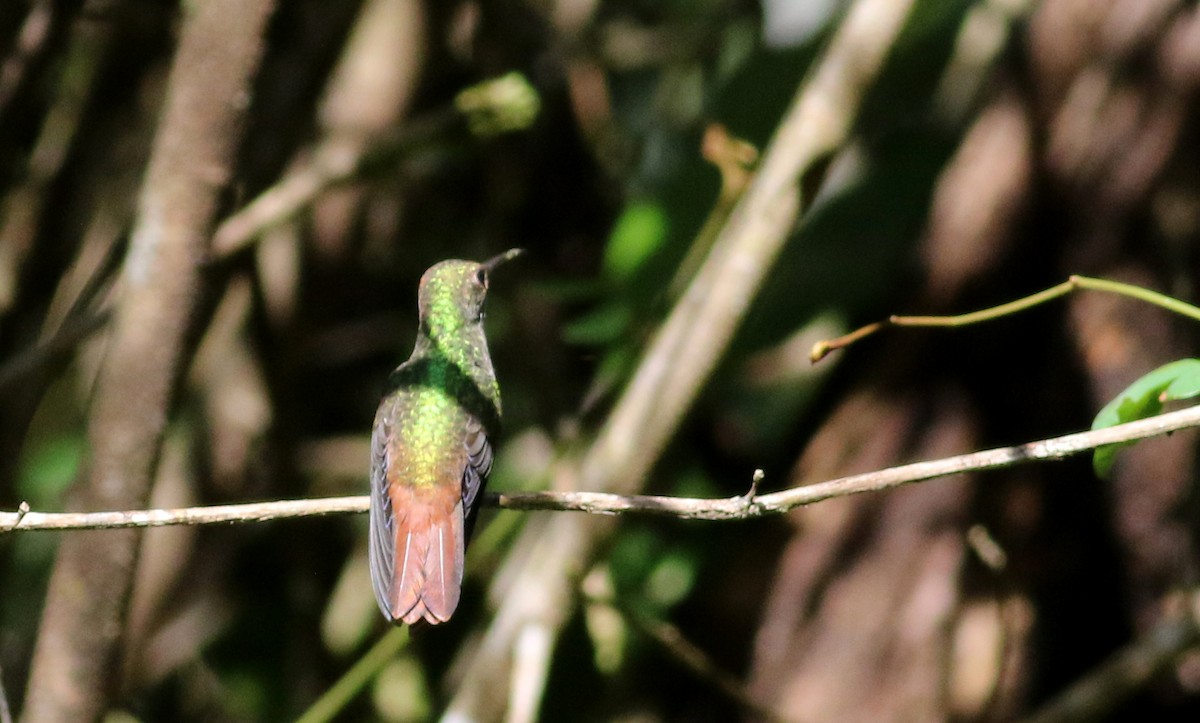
[[636, 236], [1144, 398]]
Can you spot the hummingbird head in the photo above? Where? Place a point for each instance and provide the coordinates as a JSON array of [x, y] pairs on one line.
[[452, 293]]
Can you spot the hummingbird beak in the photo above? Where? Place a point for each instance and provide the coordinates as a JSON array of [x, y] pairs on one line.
[[495, 261]]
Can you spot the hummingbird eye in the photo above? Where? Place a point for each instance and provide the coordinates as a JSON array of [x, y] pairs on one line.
[[481, 277]]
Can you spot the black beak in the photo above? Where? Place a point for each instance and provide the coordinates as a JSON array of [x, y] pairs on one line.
[[495, 261]]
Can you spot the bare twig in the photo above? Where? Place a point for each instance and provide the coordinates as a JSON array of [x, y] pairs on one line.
[[211, 515], [332, 164], [741, 507], [340, 160]]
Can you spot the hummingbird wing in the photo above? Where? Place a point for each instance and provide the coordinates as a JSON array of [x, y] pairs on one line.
[[479, 465], [382, 549]]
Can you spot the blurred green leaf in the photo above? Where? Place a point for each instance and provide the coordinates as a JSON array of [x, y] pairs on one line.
[[401, 692], [49, 467], [632, 557], [350, 614], [1144, 398], [601, 326], [606, 626], [672, 578], [694, 482], [244, 695], [637, 235], [499, 105], [650, 568]]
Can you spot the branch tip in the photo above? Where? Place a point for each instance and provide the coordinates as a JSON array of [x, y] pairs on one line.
[[22, 510], [749, 501], [755, 479]]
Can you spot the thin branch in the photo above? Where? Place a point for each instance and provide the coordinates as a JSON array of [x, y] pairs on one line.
[[742, 507], [598, 591], [500, 105], [332, 164], [211, 515], [1129, 670], [73, 331], [30, 43], [698, 662]]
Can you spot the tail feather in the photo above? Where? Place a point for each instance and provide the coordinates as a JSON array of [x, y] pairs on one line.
[[429, 545]]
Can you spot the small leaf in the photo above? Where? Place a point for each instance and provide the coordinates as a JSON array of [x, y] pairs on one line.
[[1144, 398]]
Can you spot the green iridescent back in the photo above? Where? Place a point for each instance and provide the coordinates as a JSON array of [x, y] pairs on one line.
[[431, 451]]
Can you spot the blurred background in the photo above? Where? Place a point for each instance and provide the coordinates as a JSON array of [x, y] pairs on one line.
[[1002, 146]]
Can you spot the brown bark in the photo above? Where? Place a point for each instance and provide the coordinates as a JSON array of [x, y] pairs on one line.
[[192, 161]]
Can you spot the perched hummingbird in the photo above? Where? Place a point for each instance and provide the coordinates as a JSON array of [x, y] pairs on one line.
[[430, 449]]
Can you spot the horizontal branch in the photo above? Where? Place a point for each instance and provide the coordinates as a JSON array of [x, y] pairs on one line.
[[742, 507]]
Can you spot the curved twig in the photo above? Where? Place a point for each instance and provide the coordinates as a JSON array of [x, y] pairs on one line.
[[1074, 282]]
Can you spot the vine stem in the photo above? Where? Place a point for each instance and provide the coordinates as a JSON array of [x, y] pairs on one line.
[[822, 348]]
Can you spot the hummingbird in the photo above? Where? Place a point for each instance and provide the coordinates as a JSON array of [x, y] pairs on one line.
[[431, 448]]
